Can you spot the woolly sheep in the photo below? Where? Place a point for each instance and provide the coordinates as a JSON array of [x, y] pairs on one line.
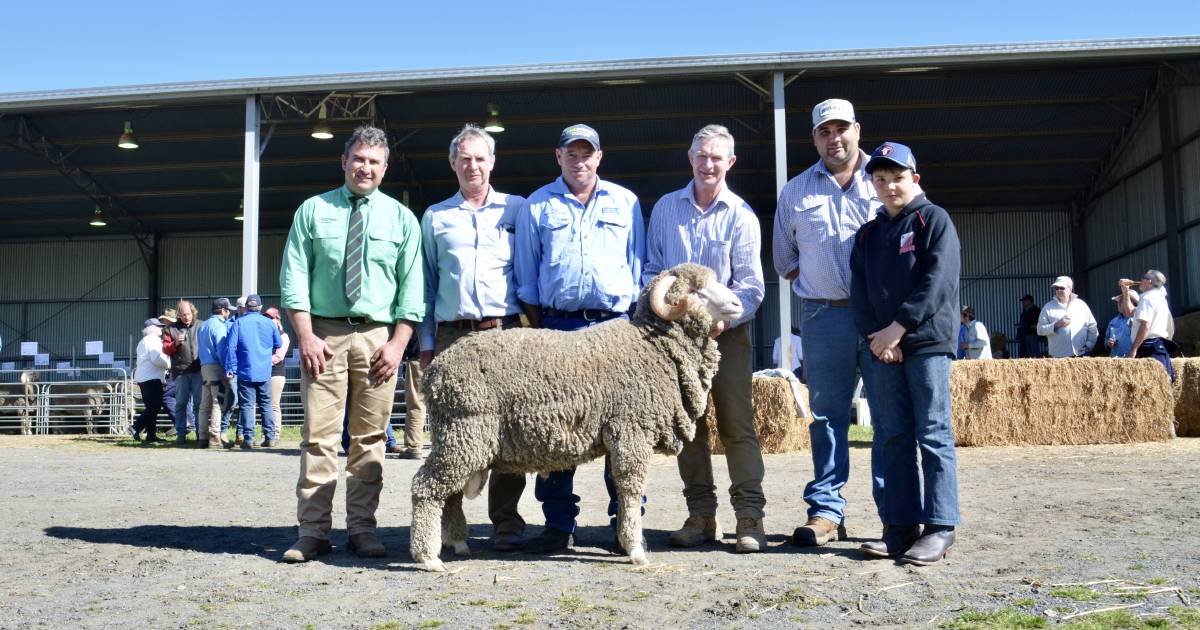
[[526, 400]]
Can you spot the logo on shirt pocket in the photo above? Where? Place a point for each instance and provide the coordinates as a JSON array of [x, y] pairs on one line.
[[906, 243]]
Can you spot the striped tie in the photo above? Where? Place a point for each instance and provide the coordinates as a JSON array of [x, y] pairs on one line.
[[354, 251]]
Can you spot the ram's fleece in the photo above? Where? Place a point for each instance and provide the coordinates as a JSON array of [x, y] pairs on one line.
[[524, 400]]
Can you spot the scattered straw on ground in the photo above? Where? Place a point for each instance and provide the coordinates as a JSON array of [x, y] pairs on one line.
[[1061, 401]]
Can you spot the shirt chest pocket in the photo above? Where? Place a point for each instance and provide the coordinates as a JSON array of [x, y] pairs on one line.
[[383, 243], [329, 237], [810, 225], [715, 256], [556, 235], [612, 232]]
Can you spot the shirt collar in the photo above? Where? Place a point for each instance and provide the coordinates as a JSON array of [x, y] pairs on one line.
[[863, 158], [559, 187], [493, 199], [724, 196], [346, 194]]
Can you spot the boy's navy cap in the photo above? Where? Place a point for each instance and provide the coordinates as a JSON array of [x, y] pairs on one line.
[[579, 132], [832, 109], [894, 153]]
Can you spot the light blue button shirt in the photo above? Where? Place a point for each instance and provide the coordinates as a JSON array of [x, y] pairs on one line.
[[571, 257], [815, 223], [724, 237], [468, 261]]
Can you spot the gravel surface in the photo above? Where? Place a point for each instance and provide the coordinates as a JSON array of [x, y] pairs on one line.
[[108, 534]]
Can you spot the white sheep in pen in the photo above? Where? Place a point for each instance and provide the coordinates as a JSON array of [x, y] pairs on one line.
[[525, 400]]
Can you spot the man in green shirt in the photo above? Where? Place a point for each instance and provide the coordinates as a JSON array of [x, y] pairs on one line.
[[351, 269]]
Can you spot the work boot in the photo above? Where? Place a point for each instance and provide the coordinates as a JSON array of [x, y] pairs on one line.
[[202, 444], [508, 541], [549, 541], [247, 445], [238, 441], [696, 531], [306, 549], [930, 547], [394, 449], [270, 443], [818, 531], [750, 535], [412, 454], [896, 540], [366, 545]]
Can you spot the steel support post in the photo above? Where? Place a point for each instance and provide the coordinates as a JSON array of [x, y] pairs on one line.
[[785, 287], [250, 200]]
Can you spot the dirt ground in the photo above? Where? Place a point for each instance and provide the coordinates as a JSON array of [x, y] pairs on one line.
[[107, 534]]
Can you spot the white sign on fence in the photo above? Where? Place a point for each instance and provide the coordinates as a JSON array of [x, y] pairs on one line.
[[8, 365], [41, 359], [93, 347], [119, 365], [106, 358], [29, 348], [64, 366]]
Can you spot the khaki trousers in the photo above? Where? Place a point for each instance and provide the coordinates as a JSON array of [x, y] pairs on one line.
[[208, 425], [414, 405], [504, 489], [343, 386], [735, 424], [277, 383]]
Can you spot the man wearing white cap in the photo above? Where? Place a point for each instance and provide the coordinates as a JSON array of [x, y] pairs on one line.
[[818, 214], [1067, 322]]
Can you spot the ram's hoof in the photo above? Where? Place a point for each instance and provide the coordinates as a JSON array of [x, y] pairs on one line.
[[638, 556], [435, 565]]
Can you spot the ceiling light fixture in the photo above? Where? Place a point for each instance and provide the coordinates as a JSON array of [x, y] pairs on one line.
[[493, 124], [623, 81], [914, 69], [321, 130], [97, 219], [127, 140]]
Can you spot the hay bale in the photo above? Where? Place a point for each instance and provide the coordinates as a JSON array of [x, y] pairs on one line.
[[1187, 397], [780, 428], [1060, 401]]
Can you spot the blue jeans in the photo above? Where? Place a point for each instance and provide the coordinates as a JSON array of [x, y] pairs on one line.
[[187, 401], [831, 344], [249, 393], [910, 411], [560, 504], [231, 392]]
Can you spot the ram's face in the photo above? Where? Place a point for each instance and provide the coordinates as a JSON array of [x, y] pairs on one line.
[[722, 305]]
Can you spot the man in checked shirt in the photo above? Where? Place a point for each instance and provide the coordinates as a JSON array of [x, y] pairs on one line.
[[818, 214], [707, 224]]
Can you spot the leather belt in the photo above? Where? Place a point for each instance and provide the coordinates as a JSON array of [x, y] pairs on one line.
[[353, 321], [837, 303], [587, 314], [486, 323]]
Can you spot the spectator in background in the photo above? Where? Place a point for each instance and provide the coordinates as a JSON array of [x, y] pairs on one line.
[[185, 369], [1067, 322], [1028, 341], [148, 373], [216, 400], [973, 339], [278, 377], [169, 317], [1118, 337], [1151, 322], [797, 352], [251, 346]]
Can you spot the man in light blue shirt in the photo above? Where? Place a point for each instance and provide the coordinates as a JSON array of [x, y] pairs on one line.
[[467, 249], [578, 263], [819, 212], [216, 397], [707, 224], [252, 341]]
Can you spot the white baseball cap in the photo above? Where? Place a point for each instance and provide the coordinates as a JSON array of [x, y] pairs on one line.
[[832, 109], [1063, 281]]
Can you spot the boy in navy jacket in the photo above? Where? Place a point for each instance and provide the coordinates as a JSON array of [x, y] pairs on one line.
[[904, 294]]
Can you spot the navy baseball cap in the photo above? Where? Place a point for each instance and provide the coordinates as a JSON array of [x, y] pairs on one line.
[[221, 303], [253, 301], [579, 132], [892, 154], [153, 321]]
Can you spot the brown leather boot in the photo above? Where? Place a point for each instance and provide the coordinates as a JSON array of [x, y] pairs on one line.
[[366, 545], [307, 548], [818, 531], [750, 535], [696, 531]]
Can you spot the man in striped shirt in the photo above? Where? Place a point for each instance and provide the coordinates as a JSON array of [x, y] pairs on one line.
[[818, 214], [707, 224]]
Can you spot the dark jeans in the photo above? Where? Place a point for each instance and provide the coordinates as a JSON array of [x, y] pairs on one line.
[[560, 504], [1155, 348], [249, 393], [152, 399]]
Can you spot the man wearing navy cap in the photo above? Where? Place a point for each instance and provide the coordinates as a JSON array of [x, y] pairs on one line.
[[593, 233], [252, 341], [904, 297], [818, 213], [216, 397]]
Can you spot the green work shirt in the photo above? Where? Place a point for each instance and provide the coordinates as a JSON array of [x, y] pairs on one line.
[[313, 275]]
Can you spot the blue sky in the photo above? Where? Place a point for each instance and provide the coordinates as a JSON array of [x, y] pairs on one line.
[[72, 44]]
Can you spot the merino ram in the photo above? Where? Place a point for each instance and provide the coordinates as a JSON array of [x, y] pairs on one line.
[[524, 400]]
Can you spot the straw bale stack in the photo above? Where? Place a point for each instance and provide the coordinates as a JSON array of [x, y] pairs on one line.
[[1060, 401], [780, 428], [1187, 397]]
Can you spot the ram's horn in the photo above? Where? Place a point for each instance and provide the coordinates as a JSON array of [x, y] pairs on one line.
[[658, 301]]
